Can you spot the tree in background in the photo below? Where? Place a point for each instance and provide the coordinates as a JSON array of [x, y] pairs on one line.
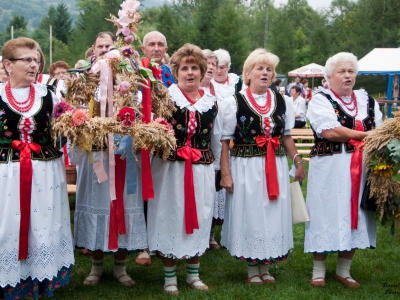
[[19, 23], [62, 27], [20, 28]]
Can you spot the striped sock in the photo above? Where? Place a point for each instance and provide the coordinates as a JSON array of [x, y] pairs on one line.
[[170, 278]]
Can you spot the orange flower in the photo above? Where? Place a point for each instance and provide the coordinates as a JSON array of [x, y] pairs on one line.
[[79, 117]]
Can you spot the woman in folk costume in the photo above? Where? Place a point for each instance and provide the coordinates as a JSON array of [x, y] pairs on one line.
[[179, 217], [340, 119], [258, 215], [209, 85], [101, 225], [35, 234]]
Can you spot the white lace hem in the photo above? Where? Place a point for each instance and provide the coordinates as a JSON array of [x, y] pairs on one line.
[[44, 261]]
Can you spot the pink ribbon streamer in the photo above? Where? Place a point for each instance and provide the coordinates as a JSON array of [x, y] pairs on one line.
[[106, 91]]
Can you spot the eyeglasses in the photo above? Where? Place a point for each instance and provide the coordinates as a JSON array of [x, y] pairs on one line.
[[27, 60]]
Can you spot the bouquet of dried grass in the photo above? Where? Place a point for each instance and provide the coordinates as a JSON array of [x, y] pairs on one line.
[[382, 157], [81, 118]]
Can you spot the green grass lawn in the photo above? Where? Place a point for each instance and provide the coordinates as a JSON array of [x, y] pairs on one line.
[[226, 276]]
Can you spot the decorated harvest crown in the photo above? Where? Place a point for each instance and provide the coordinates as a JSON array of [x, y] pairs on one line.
[[104, 100], [382, 158]]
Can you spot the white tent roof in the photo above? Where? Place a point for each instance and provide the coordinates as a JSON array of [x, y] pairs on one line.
[[311, 70], [382, 61]]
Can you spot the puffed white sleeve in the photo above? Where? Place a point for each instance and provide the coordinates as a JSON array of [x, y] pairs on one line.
[[229, 118], [216, 145], [289, 115], [378, 115], [321, 114]]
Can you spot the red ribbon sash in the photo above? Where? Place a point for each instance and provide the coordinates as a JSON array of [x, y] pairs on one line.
[[189, 155], [355, 174], [270, 164], [117, 211], [147, 179], [25, 190]]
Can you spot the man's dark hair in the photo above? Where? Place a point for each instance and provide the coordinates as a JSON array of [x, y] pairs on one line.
[[103, 33]]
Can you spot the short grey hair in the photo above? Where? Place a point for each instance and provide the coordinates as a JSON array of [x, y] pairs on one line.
[[208, 53], [332, 62], [151, 32], [223, 57]]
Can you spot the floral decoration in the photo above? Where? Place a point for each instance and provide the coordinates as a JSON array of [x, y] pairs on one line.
[[123, 88], [126, 116], [382, 157], [79, 117], [83, 120], [61, 108]]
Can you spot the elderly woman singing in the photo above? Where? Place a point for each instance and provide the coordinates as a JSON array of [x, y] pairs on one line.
[[340, 119], [258, 215]]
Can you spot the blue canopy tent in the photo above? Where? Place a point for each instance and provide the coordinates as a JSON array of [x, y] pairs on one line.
[[382, 61]]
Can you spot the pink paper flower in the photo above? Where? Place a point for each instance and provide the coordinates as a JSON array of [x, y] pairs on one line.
[[124, 20], [130, 5], [129, 39], [124, 30], [123, 88], [79, 117], [8, 133]]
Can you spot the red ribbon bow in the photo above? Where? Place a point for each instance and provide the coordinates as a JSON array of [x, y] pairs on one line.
[[189, 155], [270, 164], [157, 72], [355, 174], [25, 190]]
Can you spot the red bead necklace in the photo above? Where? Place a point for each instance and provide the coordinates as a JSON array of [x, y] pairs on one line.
[[191, 101], [23, 106], [352, 103], [263, 110]]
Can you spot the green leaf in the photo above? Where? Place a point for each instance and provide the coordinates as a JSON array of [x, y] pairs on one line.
[[147, 73], [394, 148], [122, 65]]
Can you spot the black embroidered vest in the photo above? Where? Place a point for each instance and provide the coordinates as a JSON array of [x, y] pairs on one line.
[[9, 123], [249, 126], [324, 147], [201, 140]]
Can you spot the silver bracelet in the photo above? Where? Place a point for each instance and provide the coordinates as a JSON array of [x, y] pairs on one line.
[[294, 157]]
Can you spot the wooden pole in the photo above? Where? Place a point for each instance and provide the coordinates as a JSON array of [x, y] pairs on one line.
[[51, 44], [266, 24]]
